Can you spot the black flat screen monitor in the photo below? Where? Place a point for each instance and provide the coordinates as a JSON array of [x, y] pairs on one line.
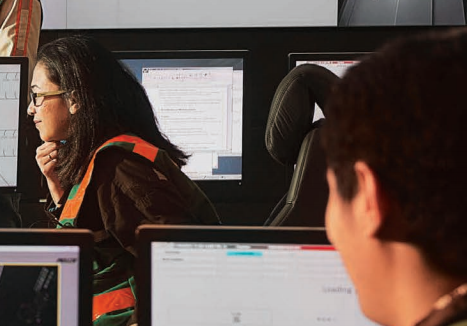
[[13, 106], [338, 63], [198, 100]]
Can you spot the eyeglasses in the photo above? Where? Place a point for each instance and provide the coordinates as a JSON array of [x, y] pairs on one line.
[[36, 96]]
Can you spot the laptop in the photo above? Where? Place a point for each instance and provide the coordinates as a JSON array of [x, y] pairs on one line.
[[192, 275], [45, 277]]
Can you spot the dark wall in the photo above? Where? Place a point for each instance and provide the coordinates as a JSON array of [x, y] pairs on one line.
[[265, 181]]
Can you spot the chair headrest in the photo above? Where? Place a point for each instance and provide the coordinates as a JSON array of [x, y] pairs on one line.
[[292, 109]]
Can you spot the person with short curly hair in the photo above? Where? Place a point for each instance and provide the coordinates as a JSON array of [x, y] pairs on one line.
[[395, 139]]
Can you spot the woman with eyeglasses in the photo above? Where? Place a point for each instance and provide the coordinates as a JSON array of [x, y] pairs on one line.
[[107, 165]]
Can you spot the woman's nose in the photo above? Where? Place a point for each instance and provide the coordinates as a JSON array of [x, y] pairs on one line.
[[31, 110]]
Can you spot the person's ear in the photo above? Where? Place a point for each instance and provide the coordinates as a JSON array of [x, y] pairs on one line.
[[73, 108], [73, 103], [370, 206]]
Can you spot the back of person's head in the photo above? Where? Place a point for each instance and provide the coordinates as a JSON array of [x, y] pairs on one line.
[[110, 101], [402, 111]]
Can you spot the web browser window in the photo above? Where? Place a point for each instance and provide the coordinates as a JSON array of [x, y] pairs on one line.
[[196, 283]]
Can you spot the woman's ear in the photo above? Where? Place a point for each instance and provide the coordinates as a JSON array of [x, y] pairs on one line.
[[74, 107]]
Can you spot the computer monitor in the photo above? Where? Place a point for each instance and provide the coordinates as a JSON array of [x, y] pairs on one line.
[[13, 106], [46, 277], [198, 100], [338, 63], [242, 276]]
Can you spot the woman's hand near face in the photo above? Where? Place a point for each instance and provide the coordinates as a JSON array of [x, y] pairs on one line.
[[46, 158]]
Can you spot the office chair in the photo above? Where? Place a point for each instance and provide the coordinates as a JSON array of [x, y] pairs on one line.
[[293, 139]]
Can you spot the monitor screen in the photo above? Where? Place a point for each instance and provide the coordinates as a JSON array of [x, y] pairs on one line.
[[30, 276], [402, 13], [283, 281], [244, 276], [45, 277], [13, 102], [123, 14], [338, 63], [198, 100]]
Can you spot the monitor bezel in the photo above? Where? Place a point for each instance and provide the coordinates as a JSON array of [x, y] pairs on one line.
[[215, 189], [21, 182]]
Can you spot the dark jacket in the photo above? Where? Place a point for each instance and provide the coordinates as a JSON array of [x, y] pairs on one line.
[[126, 190]]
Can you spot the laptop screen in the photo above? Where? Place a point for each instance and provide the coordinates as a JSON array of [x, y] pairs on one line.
[[45, 277], [280, 281]]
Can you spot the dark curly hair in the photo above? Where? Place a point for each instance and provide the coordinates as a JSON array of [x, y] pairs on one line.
[[110, 99], [403, 111]]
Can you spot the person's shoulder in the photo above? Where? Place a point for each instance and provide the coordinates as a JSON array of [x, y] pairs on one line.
[[115, 154], [116, 161]]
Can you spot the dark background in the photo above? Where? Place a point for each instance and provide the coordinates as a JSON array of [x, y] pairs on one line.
[[264, 181]]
